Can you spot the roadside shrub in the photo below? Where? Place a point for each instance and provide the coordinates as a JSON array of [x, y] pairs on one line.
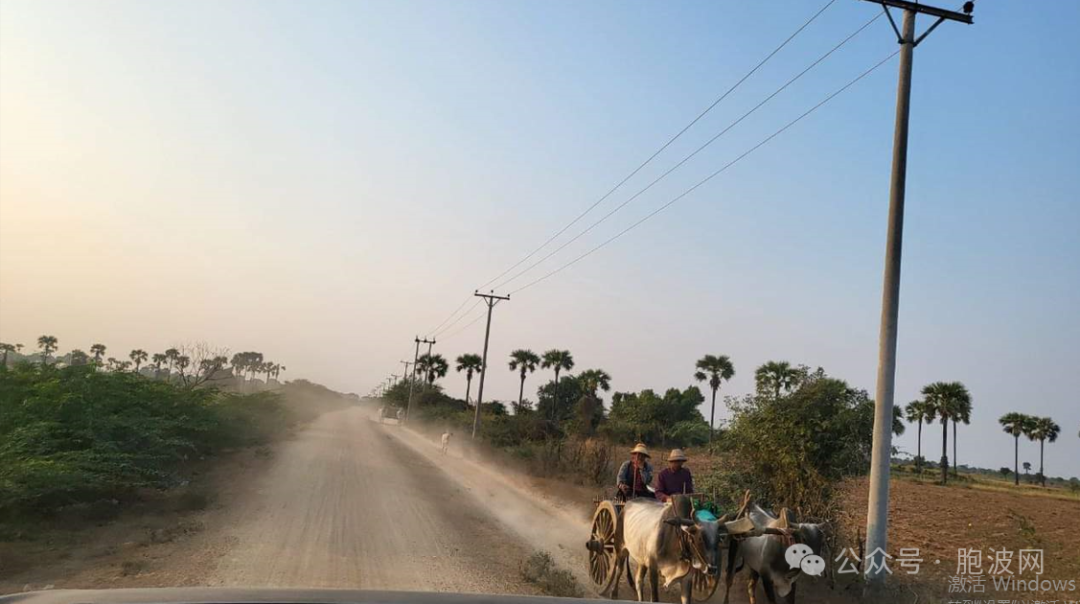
[[791, 451], [77, 435]]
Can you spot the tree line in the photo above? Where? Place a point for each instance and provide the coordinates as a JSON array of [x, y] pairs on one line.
[[949, 403], [192, 364]]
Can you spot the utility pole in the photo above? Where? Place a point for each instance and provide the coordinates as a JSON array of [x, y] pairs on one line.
[[491, 300], [877, 513], [429, 345], [412, 382], [393, 377], [405, 376]]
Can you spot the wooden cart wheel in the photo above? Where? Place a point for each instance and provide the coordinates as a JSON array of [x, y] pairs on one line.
[[704, 585], [601, 546]]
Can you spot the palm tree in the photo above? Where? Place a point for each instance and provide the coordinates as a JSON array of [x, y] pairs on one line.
[[776, 376], [557, 360], [591, 379], [239, 363], [716, 369], [919, 412], [48, 345], [171, 355], [138, 356], [433, 366], [98, 350], [948, 400], [1016, 424], [523, 361], [1044, 429], [963, 414], [1027, 468], [158, 360], [470, 364], [6, 348], [182, 363]]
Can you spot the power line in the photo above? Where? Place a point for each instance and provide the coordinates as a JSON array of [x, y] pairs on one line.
[[664, 175], [455, 321], [709, 177], [463, 303], [665, 145], [464, 327]]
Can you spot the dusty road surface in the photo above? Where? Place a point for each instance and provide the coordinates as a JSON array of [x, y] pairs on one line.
[[347, 504]]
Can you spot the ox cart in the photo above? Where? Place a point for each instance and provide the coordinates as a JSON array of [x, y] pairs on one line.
[[604, 542]]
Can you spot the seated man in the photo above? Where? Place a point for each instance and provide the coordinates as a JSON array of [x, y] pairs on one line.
[[636, 474], [674, 479]]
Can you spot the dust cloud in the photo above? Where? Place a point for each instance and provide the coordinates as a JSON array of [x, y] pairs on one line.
[[511, 498]]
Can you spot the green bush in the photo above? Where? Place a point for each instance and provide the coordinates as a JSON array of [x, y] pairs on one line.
[[791, 451], [78, 435]]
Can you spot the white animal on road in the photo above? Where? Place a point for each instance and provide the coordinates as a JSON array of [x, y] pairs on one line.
[[446, 441]]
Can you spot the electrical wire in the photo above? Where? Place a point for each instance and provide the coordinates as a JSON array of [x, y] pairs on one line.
[[433, 331], [455, 321], [665, 145], [707, 178], [467, 325], [692, 154]]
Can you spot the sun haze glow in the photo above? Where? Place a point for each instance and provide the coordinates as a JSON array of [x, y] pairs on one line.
[[324, 181]]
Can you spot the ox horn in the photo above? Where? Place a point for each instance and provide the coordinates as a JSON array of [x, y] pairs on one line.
[[680, 522]]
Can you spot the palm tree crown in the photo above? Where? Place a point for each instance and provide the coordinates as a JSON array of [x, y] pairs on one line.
[[138, 356], [524, 361], [557, 360], [775, 376], [434, 366], [593, 379], [469, 363], [47, 344]]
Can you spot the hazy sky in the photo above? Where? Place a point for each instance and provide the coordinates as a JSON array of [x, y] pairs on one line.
[[322, 181]]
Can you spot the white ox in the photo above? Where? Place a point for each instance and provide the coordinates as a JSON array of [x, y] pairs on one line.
[[661, 539]]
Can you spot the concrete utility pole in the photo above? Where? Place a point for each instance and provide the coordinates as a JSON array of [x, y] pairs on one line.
[[405, 375], [416, 355], [491, 300], [877, 513], [429, 345]]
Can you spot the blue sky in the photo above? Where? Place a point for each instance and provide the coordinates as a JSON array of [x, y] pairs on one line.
[[322, 181]]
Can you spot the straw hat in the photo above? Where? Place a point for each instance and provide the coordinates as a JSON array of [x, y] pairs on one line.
[[640, 448], [676, 455]]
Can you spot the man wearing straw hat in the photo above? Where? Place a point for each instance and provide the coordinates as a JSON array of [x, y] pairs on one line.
[[674, 479], [636, 474]]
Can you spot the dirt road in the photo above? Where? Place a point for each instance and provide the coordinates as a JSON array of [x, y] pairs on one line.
[[348, 504]]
